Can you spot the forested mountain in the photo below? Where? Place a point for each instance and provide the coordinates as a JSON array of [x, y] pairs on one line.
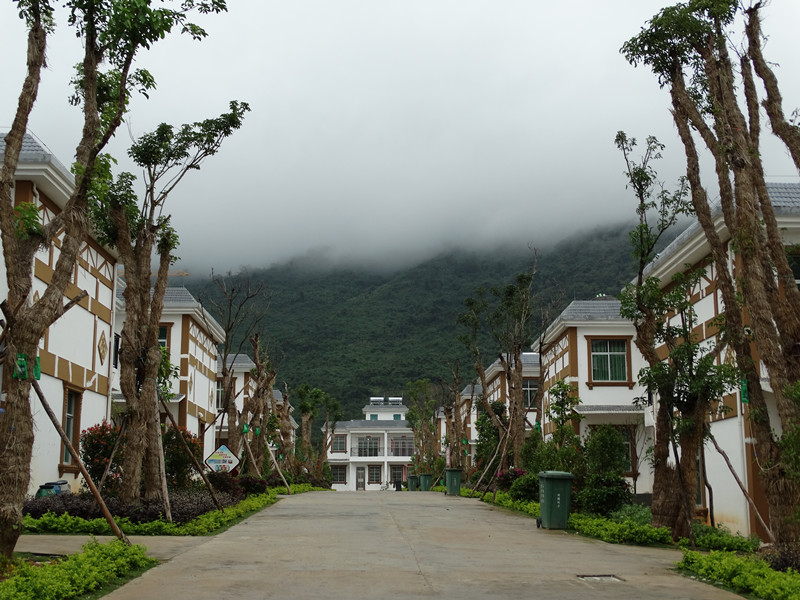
[[358, 333]]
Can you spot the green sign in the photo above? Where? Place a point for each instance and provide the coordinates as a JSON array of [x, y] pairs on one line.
[[744, 393]]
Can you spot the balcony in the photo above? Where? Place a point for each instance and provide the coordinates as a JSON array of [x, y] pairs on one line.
[[367, 451]]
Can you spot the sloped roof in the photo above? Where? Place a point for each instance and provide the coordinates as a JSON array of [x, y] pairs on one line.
[[785, 198], [602, 308], [34, 151], [362, 424], [472, 389], [606, 409], [239, 362]]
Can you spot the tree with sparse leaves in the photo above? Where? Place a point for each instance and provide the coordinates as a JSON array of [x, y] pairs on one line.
[[113, 33], [716, 102], [138, 230]]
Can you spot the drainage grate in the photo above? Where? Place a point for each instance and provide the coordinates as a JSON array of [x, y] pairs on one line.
[[599, 578]]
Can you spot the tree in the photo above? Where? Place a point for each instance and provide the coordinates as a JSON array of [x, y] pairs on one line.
[[421, 417], [240, 306], [137, 231], [261, 422], [508, 315], [688, 47], [456, 409], [113, 32], [690, 382]]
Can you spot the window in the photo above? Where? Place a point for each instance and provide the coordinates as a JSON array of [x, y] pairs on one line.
[[339, 473], [117, 339], [373, 417], [529, 389], [368, 446], [397, 473], [339, 443], [220, 396], [163, 335], [71, 422], [402, 446], [396, 417], [609, 361], [374, 473]]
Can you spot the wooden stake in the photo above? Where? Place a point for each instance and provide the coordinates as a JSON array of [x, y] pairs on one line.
[[112, 523], [193, 457]]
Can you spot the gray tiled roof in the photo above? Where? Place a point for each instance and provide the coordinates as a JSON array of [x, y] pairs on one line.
[[475, 390], [603, 308], [34, 151], [174, 297], [785, 198], [237, 363], [605, 409], [362, 424]]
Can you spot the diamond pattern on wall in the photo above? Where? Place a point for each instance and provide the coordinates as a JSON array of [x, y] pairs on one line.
[[102, 347]]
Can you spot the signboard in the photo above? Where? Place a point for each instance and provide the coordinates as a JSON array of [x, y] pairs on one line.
[[222, 460]]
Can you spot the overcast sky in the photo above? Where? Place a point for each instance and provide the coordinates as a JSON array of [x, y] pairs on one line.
[[387, 131]]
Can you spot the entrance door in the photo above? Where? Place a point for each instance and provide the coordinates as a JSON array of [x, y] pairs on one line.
[[360, 478]]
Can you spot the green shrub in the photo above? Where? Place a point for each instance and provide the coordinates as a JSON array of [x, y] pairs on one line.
[[76, 575], [525, 488], [626, 532], [203, 525], [603, 493], [638, 513], [719, 538], [746, 575]]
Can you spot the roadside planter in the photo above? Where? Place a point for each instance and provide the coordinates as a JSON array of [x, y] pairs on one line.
[[555, 497], [413, 483], [452, 479], [425, 482]]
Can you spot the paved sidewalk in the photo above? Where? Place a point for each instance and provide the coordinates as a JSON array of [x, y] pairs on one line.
[[404, 545]]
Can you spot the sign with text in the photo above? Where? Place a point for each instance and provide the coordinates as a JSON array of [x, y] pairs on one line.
[[222, 460]]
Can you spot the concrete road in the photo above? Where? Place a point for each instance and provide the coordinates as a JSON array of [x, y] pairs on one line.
[[408, 545]]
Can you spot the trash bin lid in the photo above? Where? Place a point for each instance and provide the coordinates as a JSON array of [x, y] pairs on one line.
[[556, 475]]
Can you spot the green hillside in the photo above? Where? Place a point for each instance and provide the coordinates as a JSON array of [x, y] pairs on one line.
[[358, 333]]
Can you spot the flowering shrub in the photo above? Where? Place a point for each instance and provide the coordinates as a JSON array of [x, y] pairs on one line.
[[96, 444], [505, 479], [177, 463]]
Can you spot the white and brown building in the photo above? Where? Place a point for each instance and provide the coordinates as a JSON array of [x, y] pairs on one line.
[[75, 354]]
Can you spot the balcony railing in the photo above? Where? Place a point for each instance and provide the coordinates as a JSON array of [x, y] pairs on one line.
[[381, 451], [370, 451]]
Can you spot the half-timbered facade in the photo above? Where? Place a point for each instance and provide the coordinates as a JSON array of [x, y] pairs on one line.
[[590, 347], [191, 336], [75, 354], [730, 421], [498, 389]]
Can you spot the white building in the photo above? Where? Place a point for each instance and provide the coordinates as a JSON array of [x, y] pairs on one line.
[[730, 427], [373, 452], [590, 347], [498, 390], [191, 335], [75, 353]]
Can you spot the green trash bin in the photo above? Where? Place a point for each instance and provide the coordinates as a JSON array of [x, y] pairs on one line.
[[452, 480], [413, 483], [555, 497], [425, 482]]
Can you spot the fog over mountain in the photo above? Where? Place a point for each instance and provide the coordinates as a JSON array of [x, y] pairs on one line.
[[385, 133]]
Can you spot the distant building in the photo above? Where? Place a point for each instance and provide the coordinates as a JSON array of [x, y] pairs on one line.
[[371, 453]]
